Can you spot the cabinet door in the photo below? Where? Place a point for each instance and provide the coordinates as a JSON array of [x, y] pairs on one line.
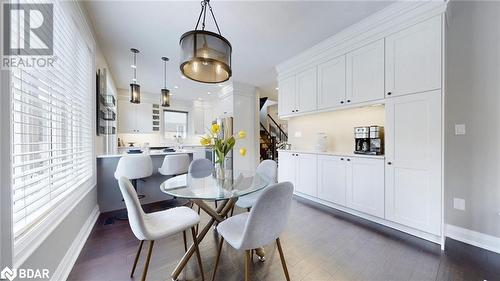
[[365, 187], [413, 155], [287, 167], [286, 96], [307, 90], [365, 73], [198, 116], [332, 179], [307, 174], [144, 118], [126, 117], [331, 83], [413, 59], [226, 106]]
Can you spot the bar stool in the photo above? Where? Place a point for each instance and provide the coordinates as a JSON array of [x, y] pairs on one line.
[[134, 167], [173, 165], [176, 164]]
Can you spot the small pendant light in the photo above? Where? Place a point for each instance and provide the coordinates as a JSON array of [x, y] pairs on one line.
[[165, 93], [135, 89], [205, 55]]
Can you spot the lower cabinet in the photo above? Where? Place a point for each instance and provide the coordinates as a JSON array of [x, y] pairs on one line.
[[332, 179], [354, 182], [365, 182], [299, 169]]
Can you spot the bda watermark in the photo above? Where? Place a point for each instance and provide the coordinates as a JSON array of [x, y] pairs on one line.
[[28, 35], [23, 273]]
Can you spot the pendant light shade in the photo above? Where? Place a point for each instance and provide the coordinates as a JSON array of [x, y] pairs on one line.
[[205, 55], [165, 93], [135, 89], [165, 97]]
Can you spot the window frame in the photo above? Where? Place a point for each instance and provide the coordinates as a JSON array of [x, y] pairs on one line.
[[165, 121], [16, 252]]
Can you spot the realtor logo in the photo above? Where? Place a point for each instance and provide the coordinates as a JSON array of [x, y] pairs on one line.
[[8, 273], [28, 29]]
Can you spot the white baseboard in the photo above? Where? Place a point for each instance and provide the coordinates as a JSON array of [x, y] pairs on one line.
[[478, 239], [62, 271]]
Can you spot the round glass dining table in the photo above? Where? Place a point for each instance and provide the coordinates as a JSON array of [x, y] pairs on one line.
[[204, 186]]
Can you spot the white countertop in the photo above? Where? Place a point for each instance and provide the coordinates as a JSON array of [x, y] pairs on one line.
[[334, 153], [152, 153]]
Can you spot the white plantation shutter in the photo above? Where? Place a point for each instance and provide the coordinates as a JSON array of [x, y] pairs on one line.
[[52, 125]]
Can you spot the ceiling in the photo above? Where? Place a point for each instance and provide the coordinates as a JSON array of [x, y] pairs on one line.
[[262, 33]]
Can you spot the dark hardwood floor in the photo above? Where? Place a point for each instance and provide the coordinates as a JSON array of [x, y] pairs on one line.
[[319, 244]]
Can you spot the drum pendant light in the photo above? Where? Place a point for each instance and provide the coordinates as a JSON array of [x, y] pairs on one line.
[[165, 93], [135, 89], [205, 55]]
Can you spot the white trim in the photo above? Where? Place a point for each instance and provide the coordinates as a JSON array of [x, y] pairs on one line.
[[478, 239], [395, 17], [415, 232], [37, 235], [68, 261]]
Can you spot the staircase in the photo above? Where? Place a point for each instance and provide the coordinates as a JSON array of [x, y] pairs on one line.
[[272, 136]]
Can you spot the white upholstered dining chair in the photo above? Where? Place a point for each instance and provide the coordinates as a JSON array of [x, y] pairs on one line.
[[267, 168], [200, 168], [261, 226], [153, 226]]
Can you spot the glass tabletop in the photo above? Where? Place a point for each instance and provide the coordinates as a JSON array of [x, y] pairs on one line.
[[208, 187]]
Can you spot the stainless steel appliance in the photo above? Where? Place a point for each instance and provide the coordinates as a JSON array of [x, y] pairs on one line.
[[369, 140], [226, 128]]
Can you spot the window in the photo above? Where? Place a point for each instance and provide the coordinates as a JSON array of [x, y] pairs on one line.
[[175, 123], [52, 125]]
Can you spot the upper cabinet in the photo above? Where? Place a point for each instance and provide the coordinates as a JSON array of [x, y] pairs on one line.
[[365, 73], [331, 83], [286, 96], [413, 59], [307, 89], [135, 118], [298, 93]]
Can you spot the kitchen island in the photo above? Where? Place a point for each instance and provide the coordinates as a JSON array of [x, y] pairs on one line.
[[109, 197]]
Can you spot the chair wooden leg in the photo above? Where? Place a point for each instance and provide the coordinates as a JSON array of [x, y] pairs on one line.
[[282, 257], [232, 211], [247, 265], [197, 225], [219, 250], [185, 242], [198, 256], [148, 259], [136, 258]]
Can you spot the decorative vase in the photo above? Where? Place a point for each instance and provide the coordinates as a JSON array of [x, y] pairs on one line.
[[220, 170]]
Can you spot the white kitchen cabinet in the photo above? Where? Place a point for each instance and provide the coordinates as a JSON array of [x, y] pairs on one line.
[[224, 107], [299, 169], [135, 118], [307, 91], [307, 174], [286, 96], [365, 185], [365, 73], [332, 83], [287, 167], [413, 58], [198, 115], [332, 179], [413, 161]]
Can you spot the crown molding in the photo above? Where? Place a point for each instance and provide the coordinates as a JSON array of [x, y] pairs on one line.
[[395, 17]]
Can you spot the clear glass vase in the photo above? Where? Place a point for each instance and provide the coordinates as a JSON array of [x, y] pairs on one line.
[[220, 170]]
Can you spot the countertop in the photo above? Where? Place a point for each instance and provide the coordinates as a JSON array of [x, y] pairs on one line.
[[152, 153], [334, 153]]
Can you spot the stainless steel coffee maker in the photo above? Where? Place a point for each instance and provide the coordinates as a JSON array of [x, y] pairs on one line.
[[369, 140]]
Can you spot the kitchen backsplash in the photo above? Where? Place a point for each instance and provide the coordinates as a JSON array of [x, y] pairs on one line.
[[338, 126], [156, 139]]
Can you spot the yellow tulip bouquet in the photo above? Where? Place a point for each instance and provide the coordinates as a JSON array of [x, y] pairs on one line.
[[221, 146]]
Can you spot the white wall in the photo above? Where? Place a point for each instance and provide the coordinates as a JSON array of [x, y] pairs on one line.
[[338, 125], [472, 161]]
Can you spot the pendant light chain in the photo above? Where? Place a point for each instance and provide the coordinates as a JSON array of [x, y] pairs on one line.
[[203, 13], [165, 74]]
